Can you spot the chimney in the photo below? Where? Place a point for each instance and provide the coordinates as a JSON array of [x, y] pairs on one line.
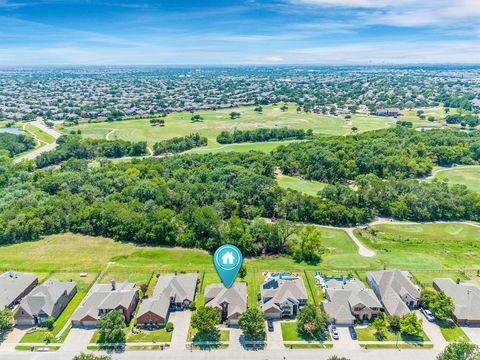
[[458, 281], [114, 285]]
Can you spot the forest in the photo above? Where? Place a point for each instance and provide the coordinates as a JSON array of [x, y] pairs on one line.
[[73, 146], [179, 144], [13, 144], [205, 200], [399, 153], [263, 134]]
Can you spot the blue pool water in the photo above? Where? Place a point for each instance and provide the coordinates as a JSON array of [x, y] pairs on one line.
[[11, 131]]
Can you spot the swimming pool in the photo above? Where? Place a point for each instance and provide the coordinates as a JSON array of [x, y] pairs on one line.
[[14, 131]]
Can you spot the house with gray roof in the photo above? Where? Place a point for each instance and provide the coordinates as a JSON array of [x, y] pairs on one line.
[[231, 302], [347, 301], [14, 286], [395, 290], [104, 298], [46, 300], [171, 292], [281, 297], [466, 297]]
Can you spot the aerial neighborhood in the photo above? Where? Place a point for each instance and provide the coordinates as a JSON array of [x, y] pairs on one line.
[[354, 304]]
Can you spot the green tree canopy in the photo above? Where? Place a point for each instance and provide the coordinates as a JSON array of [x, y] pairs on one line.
[[252, 324], [112, 328], [311, 321], [410, 324], [460, 351]]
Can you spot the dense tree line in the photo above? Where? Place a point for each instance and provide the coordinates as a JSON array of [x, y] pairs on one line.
[[259, 135], [399, 153], [464, 120], [206, 200], [14, 144], [74, 146], [179, 144]]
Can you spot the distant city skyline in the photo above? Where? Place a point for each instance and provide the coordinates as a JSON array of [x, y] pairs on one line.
[[343, 32]]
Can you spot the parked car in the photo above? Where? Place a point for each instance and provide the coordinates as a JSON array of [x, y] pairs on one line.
[[353, 333], [428, 314], [334, 332], [270, 325]]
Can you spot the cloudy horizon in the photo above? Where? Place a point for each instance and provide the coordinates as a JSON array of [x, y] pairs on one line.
[[311, 32]]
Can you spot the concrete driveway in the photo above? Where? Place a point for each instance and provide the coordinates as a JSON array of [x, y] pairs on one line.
[[433, 331], [77, 340], [274, 338], [345, 340], [12, 339], [473, 332], [181, 324]]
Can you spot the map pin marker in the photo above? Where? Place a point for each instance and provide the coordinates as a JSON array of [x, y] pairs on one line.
[[228, 261]]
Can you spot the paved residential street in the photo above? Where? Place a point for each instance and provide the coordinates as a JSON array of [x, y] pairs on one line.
[[233, 354], [47, 147]]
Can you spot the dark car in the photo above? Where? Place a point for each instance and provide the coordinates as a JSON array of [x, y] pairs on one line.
[[353, 333], [270, 325]]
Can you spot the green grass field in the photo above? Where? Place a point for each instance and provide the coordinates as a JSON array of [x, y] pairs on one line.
[[452, 332], [41, 135], [290, 333], [368, 334], [160, 335], [425, 246], [463, 175], [179, 124], [298, 184]]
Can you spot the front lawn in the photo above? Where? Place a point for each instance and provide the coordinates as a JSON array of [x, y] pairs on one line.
[[224, 334], [368, 334], [452, 332], [290, 333], [160, 335]]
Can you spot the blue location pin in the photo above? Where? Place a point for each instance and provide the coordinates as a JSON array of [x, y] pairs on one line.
[[228, 261]]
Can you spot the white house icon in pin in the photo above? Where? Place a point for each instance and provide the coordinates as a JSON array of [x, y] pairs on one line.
[[228, 258]]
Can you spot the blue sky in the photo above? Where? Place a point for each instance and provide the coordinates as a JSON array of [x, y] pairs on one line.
[[42, 32]]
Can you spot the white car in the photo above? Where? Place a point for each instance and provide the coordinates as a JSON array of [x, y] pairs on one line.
[[334, 332], [428, 315]]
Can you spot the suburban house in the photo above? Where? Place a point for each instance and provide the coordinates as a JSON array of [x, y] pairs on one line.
[[282, 297], [395, 290], [46, 300], [104, 298], [466, 297], [14, 286], [171, 292], [394, 112], [231, 302], [347, 301]]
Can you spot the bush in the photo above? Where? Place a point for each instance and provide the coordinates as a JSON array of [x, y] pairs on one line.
[[169, 327], [193, 305], [50, 323]]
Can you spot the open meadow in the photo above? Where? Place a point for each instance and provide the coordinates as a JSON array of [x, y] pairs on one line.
[[296, 183], [462, 175], [215, 121], [428, 250]]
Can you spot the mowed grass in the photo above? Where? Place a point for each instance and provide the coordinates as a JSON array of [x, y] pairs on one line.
[[452, 332], [160, 335], [369, 334], [462, 175], [41, 135], [301, 185], [290, 333], [425, 246], [215, 121]]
